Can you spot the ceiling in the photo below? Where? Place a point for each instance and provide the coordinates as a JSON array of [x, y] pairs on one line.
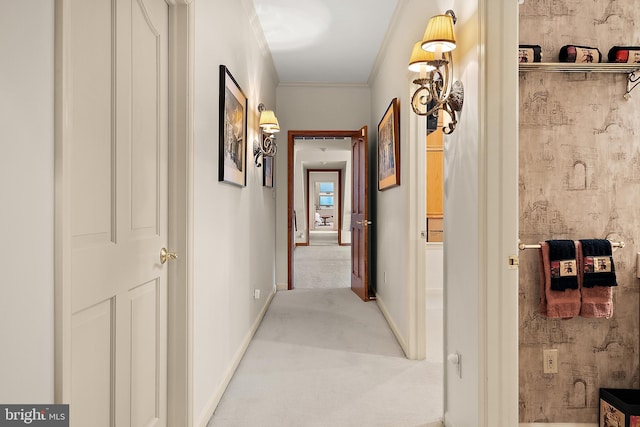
[[324, 41], [323, 153]]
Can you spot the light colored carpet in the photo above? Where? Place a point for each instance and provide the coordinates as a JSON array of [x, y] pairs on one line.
[[324, 358], [323, 238], [322, 266]]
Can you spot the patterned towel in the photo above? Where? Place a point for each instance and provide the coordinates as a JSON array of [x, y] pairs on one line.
[[596, 278], [563, 304], [599, 269], [563, 264]]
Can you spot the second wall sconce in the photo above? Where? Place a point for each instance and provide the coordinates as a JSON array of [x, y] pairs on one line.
[[268, 127], [432, 58]]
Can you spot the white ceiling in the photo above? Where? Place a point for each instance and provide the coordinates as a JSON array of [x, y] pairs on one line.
[[323, 153], [324, 41]]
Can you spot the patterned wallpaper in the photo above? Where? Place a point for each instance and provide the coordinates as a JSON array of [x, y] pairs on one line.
[[579, 178]]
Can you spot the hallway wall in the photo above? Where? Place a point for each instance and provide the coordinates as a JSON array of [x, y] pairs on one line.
[[391, 79], [395, 238], [27, 196], [234, 227], [569, 120]]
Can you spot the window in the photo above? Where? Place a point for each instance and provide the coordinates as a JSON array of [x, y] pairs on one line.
[[326, 201], [325, 196], [326, 187]]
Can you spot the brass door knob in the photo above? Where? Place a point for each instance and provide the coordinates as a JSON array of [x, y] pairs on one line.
[[165, 255]]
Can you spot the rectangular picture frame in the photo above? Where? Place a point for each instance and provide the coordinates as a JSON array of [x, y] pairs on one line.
[[389, 147], [232, 167]]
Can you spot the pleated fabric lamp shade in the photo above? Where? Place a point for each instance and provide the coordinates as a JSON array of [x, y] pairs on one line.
[[439, 32], [420, 58], [269, 122]]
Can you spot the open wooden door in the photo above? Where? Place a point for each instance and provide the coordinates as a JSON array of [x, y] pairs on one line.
[[360, 215]]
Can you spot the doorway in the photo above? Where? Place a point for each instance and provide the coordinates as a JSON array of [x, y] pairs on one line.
[[324, 206], [319, 220]]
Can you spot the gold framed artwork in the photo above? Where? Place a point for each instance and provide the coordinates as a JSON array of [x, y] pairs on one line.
[[389, 147]]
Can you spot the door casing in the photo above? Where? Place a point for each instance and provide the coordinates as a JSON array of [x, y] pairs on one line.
[[292, 135], [338, 197]]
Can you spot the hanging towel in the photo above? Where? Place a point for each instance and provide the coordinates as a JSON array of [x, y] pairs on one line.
[[598, 265], [597, 269], [556, 304], [564, 267]]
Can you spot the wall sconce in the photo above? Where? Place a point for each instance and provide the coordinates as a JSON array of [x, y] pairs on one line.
[[432, 58], [268, 126]]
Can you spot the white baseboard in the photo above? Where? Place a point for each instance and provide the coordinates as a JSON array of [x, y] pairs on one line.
[[215, 400], [282, 287], [392, 325]]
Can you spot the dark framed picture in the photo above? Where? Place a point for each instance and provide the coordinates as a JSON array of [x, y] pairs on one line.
[[267, 171], [389, 147], [233, 131]]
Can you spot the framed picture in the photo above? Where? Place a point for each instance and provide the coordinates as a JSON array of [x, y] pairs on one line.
[[267, 171], [233, 131], [389, 147]]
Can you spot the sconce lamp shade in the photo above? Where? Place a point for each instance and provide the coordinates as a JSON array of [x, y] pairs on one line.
[[439, 32], [273, 129], [420, 58], [269, 122], [267, 119]]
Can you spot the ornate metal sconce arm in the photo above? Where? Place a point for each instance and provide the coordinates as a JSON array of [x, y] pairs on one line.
[[424, 103], [268, 148]]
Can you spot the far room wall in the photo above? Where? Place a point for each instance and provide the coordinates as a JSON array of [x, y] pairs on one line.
[[328, 212], [315, 157]]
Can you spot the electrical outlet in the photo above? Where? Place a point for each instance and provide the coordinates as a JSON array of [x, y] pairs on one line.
[[550, 360], [256, 294]]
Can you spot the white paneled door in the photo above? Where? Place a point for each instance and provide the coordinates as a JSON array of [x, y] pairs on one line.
[[112, 208]]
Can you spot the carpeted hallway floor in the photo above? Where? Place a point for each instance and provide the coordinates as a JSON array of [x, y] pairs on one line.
[[323, 264], [324, 358]]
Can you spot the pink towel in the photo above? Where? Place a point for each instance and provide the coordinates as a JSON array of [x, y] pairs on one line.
[[596, 301], [555, 304]]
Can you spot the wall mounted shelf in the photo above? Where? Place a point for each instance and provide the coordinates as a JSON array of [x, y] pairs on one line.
[[631, 70]]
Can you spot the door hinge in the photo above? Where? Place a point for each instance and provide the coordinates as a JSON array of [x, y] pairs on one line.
[[513, 262]]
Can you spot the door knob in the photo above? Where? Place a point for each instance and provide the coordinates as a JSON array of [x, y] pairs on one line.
[[165, 255], [365, 222]]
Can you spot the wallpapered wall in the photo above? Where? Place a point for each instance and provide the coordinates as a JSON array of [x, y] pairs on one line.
[[579, 178]]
